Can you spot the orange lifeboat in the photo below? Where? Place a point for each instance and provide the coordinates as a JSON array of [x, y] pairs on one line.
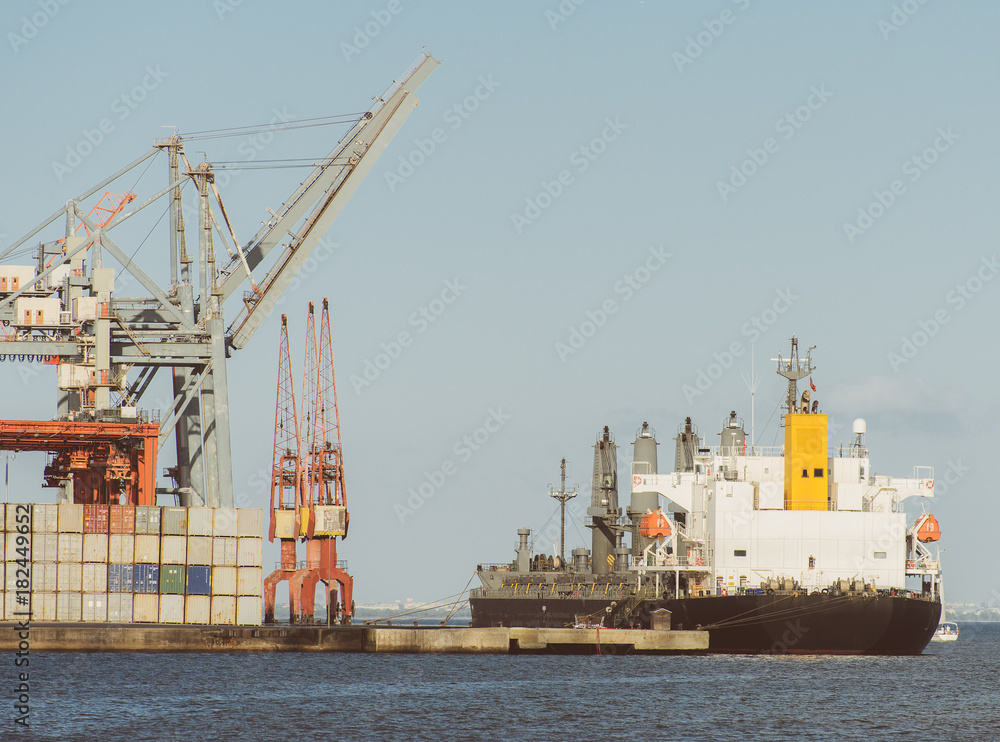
[[929, 530], [654, 525]]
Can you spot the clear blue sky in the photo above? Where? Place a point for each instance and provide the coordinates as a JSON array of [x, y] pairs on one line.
[[639, 116]]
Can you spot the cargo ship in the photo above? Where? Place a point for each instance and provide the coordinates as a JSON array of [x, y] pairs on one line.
[[793, 549]]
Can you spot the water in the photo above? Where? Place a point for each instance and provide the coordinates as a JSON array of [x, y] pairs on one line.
[[948, 694]]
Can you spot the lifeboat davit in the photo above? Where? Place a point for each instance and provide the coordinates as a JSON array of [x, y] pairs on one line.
[[654, 525], [929, 530]]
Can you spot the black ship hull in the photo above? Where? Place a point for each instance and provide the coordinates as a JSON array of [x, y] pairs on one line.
[[780, 623]]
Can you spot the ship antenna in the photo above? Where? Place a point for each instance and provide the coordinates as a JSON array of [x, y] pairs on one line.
[[752, 382], [562, 496], [794, 369]]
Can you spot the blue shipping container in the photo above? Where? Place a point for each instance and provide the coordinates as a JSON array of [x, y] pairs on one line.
[[199, 580], [120, 578], [147, 578]]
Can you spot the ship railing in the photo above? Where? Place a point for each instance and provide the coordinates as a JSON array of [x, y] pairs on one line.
[[596, 591], [497, 567], [307, 564]]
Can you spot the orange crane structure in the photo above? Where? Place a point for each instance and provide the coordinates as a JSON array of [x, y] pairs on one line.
[[308, 495]]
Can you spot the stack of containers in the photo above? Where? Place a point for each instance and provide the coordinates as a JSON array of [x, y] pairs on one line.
[[127, 564]]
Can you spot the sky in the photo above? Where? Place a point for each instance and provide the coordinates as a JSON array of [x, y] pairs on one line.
[[600, 214]]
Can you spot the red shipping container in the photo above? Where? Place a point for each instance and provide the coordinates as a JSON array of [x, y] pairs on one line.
[[95, 518], [122, 519]]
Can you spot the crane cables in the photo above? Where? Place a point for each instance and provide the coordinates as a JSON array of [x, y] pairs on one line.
[[239, 131]]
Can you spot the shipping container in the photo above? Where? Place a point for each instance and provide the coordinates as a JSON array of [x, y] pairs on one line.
[[121, 548], [199, 550], [121, 519], [120, 578], [12, 607], [171, 609], [223, 552], [173, 549], [223, 610], [200, 521], [69, 577], [45, 519], [147, 548], [284, 524], [199, 580], [95, 518], [249, 552], [146, 608], [120, 607], [147, 519], [146, 578], [44, 577], [224, 580], [13, 574], [249, 580], [172, 579], [331, 520], [70, 518], [198, 609], [173, 522], [95, 578], [45, 547], [43, 606], [95, 607], [250, 522], [16, 510], [224, 522], [69, 606], [248, 611], [70, 547], [95, 547], [18, 546], [3, 515]]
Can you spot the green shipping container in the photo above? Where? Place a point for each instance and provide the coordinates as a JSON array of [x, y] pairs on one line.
[[172, 579]]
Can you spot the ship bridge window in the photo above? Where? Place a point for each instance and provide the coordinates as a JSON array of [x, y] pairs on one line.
[[880, 555], [818, 473], [805, 474], [739, 552]]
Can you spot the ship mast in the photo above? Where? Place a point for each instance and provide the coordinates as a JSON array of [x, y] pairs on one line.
[[562, 496], [794, 369]]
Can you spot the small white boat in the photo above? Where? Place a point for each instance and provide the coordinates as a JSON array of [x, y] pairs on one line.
[[946, 632]]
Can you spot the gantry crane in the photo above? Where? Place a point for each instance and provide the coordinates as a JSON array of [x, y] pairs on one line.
[[66, 309]]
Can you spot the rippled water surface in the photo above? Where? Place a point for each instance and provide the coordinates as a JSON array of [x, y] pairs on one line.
[[952, 692]]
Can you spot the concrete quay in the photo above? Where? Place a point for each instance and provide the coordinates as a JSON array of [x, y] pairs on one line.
[[84, 637]]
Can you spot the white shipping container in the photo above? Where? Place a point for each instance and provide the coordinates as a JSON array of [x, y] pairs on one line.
[[250, 522], [3, 515], [69, 606], [224, 552], [249, 552], [44, 577], [200, 521], [147, 550], [45, 518], [248, 611], [45, 547], [43, 606], [171, 609], [224, 580], [198, 609], [146, 607], [14, 611], [224, 522], [12, 554], [70, 518], [199, 550], [69, 577], [95, 579], [95, 547], [13, 512], [120, 607], [95, 607], [249, 580], [223, 610], [121, 548], [11, 577], [173, 550], [70, 547]]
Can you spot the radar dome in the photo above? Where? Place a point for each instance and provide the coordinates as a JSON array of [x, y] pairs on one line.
[[860, 426]]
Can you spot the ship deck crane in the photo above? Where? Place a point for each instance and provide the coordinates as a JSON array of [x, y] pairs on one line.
[[97, 336]]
